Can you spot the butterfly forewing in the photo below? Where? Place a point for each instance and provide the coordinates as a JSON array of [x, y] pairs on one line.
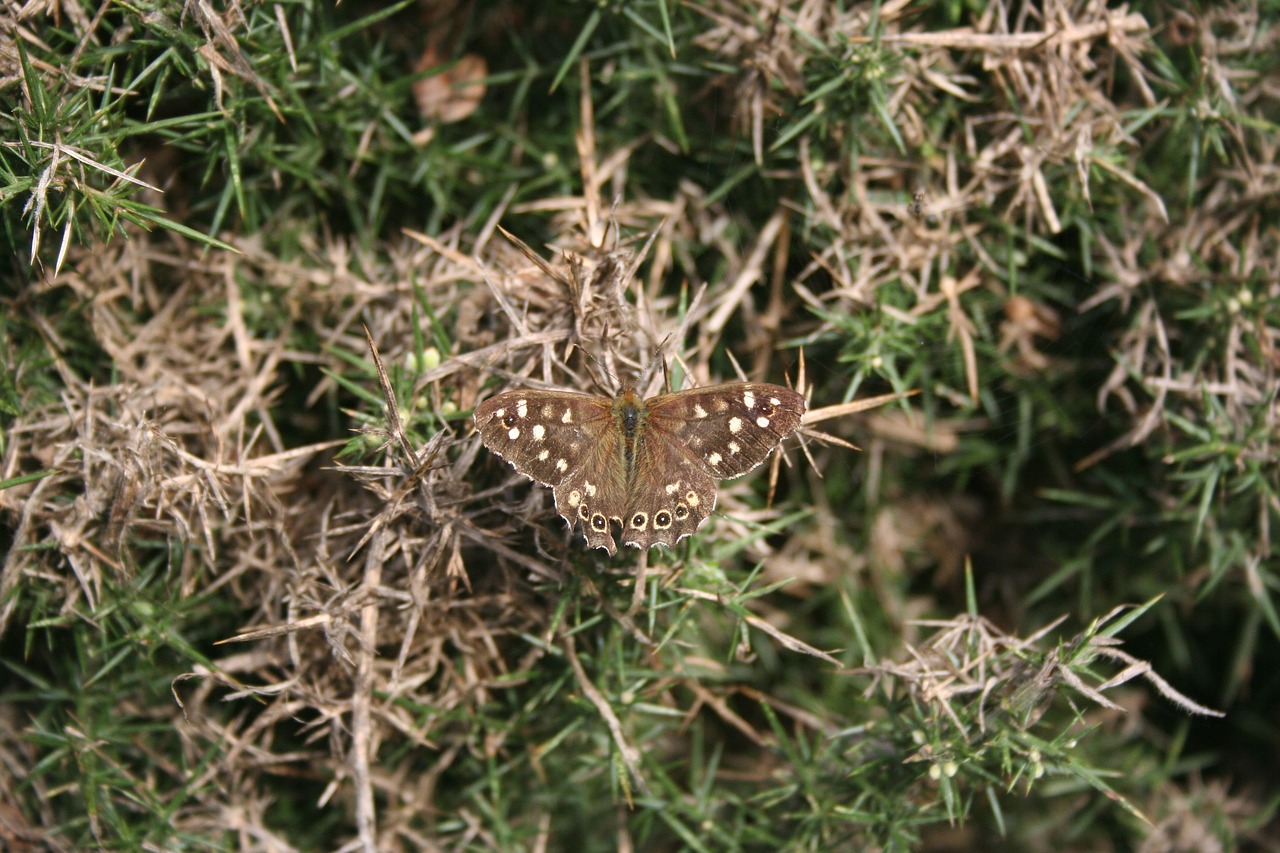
[[727, 429], [544, 434], [648, 468]]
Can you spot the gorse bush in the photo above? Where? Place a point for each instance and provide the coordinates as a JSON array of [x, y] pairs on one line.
[[263, 586]]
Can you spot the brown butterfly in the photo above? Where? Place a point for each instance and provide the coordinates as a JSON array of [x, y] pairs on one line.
[[649, 467]]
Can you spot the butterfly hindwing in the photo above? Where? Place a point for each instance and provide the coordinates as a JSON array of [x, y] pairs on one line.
[[669, 497], [595, 495]]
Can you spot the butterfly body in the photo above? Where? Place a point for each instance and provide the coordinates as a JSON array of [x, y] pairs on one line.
[[630, 414], [649, 467]]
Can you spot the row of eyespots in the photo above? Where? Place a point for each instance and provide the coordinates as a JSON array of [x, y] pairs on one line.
[[663, 518]]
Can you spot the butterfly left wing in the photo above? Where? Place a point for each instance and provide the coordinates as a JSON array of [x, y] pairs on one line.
[[543, 434], [729, 429], [568, 441]]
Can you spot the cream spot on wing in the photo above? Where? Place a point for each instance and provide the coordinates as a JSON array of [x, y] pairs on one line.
[[562, 466], [539, 432], [567, 417], [691, 498], [589, 488], [762, 422], [543, 455], [734, 447], [513, 433], [774, 401], [575, 498], [546, 410], [735, 425], [749, 399], [522, 408], [720, 405], [715, 458], [672, 487], [499, 413], [698, 411]]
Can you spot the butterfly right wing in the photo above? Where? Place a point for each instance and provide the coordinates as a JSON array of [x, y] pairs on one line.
[[671, 495], [729, 429], [693, 439]]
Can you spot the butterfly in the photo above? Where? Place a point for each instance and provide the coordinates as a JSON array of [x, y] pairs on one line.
[[648, 468]]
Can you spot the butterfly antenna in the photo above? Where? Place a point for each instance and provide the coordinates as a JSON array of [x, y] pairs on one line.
[[737, 368], [612, 224], [639, 257], [601, 367]]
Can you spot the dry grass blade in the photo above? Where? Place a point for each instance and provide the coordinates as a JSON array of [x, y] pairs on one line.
[[785, 639], [839, 410], [394, 421], [627, 753]]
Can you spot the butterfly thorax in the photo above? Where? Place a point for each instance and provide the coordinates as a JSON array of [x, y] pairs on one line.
[[630, 414]]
